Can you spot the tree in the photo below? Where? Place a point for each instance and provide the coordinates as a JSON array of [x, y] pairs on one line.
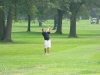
[[6, 30], [43, 10], [59, 24], [55, 22], [7, 37], [94, 13], [16, 10], [30, 10], [2, 21], [74, 8], [61, 7]]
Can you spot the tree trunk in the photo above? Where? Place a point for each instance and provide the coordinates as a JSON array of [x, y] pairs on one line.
[[55, 22], [40, 22], [7, 37], [16, 12], [60, 16], [74, 8], [73, 26], [97, 22], [29, 20], [2, 24]]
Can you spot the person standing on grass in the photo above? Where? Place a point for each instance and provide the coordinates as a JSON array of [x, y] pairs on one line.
[[47, 41]]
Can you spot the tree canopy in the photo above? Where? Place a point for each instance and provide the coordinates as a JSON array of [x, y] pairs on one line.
[[40, 9]]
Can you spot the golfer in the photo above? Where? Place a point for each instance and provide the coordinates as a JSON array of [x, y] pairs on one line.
[[47, 41]]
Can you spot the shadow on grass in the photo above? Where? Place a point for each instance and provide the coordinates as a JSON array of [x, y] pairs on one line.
[[89, 35], [21, 26], [52, 35], [26, 33]]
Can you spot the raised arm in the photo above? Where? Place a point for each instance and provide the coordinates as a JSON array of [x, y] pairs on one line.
[[48, 30]]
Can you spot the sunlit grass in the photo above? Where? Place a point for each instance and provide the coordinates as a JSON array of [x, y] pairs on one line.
[[68, 56]]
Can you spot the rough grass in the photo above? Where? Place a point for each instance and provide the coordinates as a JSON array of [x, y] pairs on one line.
[[68, 56]]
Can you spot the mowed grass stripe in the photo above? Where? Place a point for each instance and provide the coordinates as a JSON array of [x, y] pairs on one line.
[[68, 56]]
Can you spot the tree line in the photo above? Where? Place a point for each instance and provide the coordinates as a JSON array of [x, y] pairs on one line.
[[40, 9]]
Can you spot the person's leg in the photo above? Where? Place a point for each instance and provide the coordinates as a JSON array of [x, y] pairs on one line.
[[44, 50], [49, 45], [45, 47], [48, 50]]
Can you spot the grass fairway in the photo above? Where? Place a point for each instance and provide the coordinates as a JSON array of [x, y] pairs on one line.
[[68, 56]]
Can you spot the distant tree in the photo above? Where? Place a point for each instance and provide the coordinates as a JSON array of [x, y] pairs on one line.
[[73, 8], [42, 7], [45, 10], [30, 10], [60, 7], [94, 13]]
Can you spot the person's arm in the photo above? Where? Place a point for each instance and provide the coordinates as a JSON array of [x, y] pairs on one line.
[[48, 30]]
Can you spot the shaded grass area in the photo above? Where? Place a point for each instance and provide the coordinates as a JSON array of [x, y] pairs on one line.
[[68, 56]]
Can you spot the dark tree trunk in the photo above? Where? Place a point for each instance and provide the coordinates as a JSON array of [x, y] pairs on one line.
[[16, 12], [2, 24], [40, 22], [55, 22], [7, 37], [60, 16], [29, 20], [97, 22], [73, 26], [74, 8]]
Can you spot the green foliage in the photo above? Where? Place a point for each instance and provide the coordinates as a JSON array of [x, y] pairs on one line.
[[1, 7]]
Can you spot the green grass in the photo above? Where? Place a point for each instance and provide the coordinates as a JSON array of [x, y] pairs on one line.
[[68, 56]]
